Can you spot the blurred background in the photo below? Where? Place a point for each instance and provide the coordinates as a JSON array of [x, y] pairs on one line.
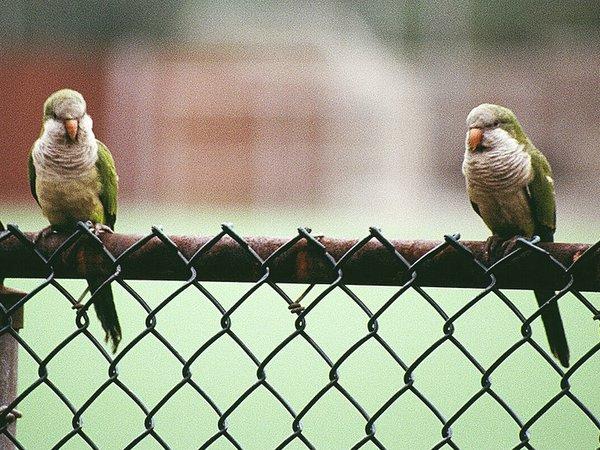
[[305, 105], [336, 115]]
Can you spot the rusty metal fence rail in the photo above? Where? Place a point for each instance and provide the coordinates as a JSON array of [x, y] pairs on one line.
[[305, 258]]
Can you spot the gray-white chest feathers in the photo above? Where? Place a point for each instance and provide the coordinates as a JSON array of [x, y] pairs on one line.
[[67, 182], [497, 180], [503, 167], [55, 156]]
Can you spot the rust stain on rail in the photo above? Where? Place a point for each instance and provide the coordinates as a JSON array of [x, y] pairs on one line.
[[227, 260]]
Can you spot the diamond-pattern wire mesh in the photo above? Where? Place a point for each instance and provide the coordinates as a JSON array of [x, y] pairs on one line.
[[297, 434]]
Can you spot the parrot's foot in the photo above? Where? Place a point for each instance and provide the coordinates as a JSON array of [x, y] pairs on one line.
[[497, 248], [11, 416], [44, 234], [77, 306], [492, 246], [99, 228], [510, 245]]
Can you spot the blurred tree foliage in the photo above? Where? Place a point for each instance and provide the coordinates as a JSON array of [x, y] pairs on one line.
[[401, 23], [84, 23], [409, 23]]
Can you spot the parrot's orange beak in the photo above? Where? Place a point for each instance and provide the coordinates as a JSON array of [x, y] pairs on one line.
[[474, 137], [71, 125]]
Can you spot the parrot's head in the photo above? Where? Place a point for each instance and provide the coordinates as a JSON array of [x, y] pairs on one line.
[[488, 123], [65, 116]]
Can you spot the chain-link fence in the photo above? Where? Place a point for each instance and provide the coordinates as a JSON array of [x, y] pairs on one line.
[[407, 268]]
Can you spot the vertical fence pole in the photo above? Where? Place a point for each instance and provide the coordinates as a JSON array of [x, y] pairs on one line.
[[9, 362]]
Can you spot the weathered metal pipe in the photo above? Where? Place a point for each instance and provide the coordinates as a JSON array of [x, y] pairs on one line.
[[227, 260], [9, 362]]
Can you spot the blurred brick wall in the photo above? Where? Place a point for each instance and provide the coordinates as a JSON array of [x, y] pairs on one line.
[[283, 124], [183, 126], [298, 125], [26, 80], [216, 125], [276, 124]]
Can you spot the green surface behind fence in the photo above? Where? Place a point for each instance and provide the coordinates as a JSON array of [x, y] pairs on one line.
[[446, 378]]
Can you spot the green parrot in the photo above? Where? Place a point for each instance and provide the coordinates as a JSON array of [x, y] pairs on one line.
[[73, 178], [509, 183]]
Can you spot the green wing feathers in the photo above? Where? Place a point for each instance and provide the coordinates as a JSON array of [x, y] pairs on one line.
[[543, 200], [109, 182], [104, 303], [543, 207], [32, 176]]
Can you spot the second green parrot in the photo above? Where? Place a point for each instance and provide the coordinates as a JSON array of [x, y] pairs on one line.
[[509, 183], [73, 178]]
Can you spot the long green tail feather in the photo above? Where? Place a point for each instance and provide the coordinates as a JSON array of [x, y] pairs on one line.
[[107, 314], [554, 327]]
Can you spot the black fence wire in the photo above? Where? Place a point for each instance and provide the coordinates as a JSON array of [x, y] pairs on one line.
[[268, 262]]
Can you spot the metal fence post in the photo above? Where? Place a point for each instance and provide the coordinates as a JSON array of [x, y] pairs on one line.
[[9, 362]]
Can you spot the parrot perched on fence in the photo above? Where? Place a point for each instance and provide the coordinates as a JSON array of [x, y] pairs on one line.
[[73, 178], [509, 183]]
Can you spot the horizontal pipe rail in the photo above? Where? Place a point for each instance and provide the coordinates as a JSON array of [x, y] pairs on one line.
[[227, 260]]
